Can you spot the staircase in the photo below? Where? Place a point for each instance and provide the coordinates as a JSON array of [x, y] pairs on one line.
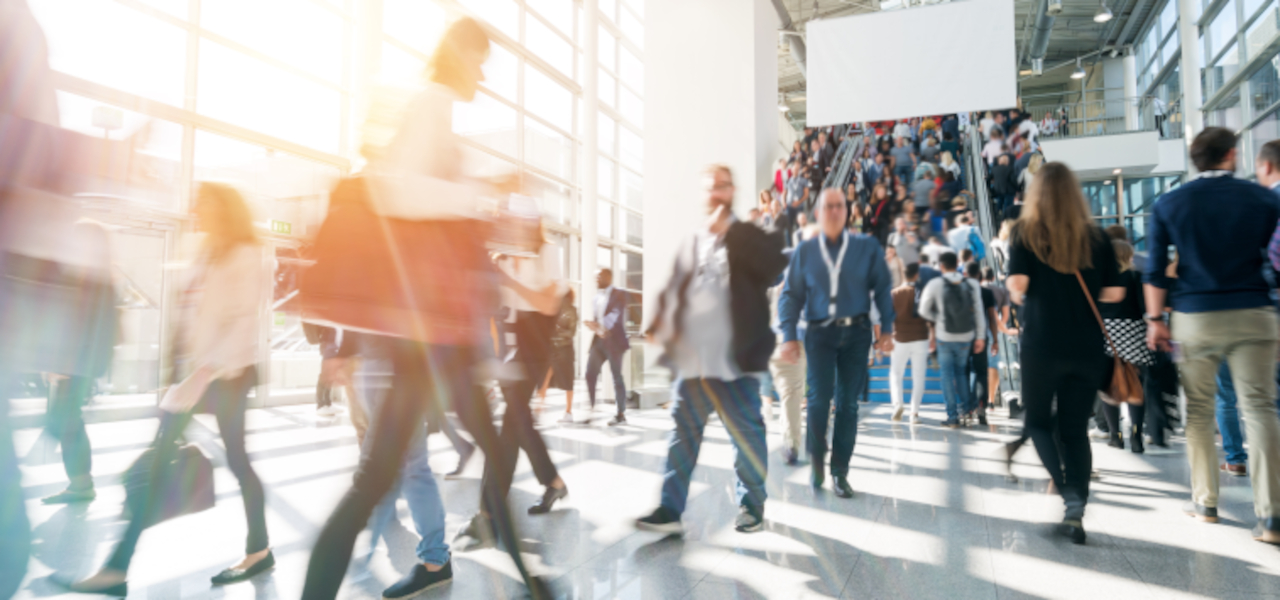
[[879, 392]]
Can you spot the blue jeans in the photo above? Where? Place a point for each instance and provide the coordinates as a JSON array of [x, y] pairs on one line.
[[837, 360], [416, 481], [15, 552], [738, 404], [1228, 417], [952, 359], [904, 174]]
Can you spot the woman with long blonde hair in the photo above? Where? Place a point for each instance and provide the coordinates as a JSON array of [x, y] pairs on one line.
[[1059, 263], [218, 350]]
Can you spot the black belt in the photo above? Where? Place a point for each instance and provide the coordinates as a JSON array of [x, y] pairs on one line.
[[845, 321]]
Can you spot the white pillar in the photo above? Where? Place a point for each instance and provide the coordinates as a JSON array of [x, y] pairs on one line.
[[710, 97], [1132, 118], [1192, 99], [590, 166]]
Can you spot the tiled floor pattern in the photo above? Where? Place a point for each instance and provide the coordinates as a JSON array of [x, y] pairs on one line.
[[934, 517]]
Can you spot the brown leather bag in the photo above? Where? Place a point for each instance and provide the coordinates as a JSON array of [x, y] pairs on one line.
[[428, 281], [1124, 386]]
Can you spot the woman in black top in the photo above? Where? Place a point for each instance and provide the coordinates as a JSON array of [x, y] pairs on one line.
[[560, 376], [1129, 331], [879, 216], [1062, 356]]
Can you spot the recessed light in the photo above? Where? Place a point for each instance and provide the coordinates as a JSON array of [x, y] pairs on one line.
[[1107, 182], [1116, 172]]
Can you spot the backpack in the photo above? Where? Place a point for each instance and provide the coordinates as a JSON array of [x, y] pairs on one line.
[[957, 306], [978, 248]]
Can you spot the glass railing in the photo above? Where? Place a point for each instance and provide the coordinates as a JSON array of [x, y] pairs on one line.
[[1107, 117]]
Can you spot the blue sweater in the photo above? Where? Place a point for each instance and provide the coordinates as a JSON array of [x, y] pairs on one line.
[[1220, 227], [808, 284]]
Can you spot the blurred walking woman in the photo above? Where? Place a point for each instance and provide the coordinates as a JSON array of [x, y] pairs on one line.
[[1055, 245], [218, 340]]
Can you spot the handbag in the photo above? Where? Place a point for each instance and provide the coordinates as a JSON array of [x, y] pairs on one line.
[[427, 281], [1123, 386], [158, 489]]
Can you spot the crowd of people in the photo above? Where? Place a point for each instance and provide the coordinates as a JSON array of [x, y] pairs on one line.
[[790, 306]]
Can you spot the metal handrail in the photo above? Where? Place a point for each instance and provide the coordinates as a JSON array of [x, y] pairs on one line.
[[1107, 116], [848, 151]]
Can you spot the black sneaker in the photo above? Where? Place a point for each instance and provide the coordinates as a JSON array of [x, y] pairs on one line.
[[1208, 514], [479, 533], [1073, 530], [661, 520], [419, 579], [792, 456], [842, 487], [951, 423], [750, 520], [618, 420]]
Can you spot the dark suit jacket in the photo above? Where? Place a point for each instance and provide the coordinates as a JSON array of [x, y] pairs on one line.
[[755, 261], [614, 323]]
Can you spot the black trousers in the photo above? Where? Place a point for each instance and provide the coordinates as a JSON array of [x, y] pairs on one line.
[[66, 423], [533, 353], [227, 399], [978, 379], [1073, 384], [596, 357], [421, 375]]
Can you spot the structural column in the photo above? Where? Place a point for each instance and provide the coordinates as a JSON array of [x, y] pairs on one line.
[[1132, 118], [1192, 97], [711, 97], [590, 168]]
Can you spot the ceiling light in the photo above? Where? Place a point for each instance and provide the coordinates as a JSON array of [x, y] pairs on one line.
[[1116, 172], [782, 103], [1107, 182], [1103, 15], [1079, 72], [783, 108]]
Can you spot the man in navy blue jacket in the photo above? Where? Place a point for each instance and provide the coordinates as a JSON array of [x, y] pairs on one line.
[[1222, 310], [831, 280], [610, 342]]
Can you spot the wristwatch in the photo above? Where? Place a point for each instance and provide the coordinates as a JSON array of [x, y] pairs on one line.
[[1153, 318]]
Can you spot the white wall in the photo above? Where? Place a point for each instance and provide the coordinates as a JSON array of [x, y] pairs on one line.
[[710, 97], [1098, 156], [787, 137]]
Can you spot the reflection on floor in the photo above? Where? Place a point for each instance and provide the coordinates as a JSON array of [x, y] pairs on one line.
[[933, 517]]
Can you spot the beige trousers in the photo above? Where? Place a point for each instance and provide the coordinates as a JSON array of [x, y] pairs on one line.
[[789, 381], [1247, 340]]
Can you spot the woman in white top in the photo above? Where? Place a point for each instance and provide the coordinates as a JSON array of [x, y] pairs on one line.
[[218, 345], [985, 125], [948, 163], [994, 148]]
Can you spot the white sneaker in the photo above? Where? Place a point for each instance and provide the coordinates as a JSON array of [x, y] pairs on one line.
[[327, 411], [915, 418], [897, 413], [1099, 434]]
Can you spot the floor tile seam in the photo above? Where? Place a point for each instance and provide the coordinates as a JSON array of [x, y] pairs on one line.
[[861, 552]]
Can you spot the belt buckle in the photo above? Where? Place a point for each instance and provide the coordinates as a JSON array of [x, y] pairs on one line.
[[844, 322]]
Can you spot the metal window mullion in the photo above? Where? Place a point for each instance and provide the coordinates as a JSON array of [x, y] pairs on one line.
[[528, 12], [268, 59], [504, 40], [554, 128], [1211, 12]]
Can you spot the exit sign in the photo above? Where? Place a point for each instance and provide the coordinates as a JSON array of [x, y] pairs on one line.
[[281, 227]]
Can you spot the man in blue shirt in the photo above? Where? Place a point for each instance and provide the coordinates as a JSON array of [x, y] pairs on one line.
[[831, 281], [1222, 310]]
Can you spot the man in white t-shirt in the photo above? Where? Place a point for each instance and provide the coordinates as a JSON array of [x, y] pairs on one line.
[[958, 237]]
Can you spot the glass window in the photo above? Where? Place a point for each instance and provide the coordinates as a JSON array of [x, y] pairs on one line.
[[548, 99], [635, 270], [1141, 193], [299, 32], [608, 89], [1252, 6], [414, 22], [607, 128], [631, 28], [548, 150], [638, 6], [139, 258], [609, 8], [632, 149], [499, 13], [631, 70], [482, 165], [605, 172], [633, 228], [1227, 114], [1169, 52], [1255, 45], [1264, 131], [250, 93], [1222, 71], [487, 121], [1222, 31], [1168, 17], [1137, 227], [400, 68], [1101, 196], [1264, 85], [608, 49], [545, 44], [500, 72], [1153, 43], [633, 189], [604, 220], [153, 173], [631, 107], [557, 12], [604, 257], [177, 8], [553, 197], [116, 46]]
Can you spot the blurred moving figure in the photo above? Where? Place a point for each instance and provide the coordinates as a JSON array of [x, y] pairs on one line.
[[388, 279], [562, 355], [218, 344], [713, 321]]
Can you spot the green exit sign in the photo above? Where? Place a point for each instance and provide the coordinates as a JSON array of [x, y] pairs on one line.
[[281, 227]]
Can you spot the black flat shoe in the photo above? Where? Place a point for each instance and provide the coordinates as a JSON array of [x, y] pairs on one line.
[[816, 476], [119, 590], [549, 498], [842, 487], [1072, 530], [238, 575], [1135, 441]]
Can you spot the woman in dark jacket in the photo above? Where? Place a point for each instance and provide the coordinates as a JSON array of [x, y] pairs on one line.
[[560, 376], [880, 213], [1128, 330], [1003, 183]]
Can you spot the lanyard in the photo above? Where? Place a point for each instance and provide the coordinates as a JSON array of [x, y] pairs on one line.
[[1215, 173], [833, 270]]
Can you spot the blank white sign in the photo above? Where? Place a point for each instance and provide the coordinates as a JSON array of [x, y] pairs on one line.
[[945, 58]]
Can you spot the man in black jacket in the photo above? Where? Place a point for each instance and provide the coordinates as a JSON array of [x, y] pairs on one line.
[[713, 322]]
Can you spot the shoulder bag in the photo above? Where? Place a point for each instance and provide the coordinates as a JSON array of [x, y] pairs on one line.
[[1124, 386]]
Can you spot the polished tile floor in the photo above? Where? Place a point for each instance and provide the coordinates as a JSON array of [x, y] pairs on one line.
[[934, 517]]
